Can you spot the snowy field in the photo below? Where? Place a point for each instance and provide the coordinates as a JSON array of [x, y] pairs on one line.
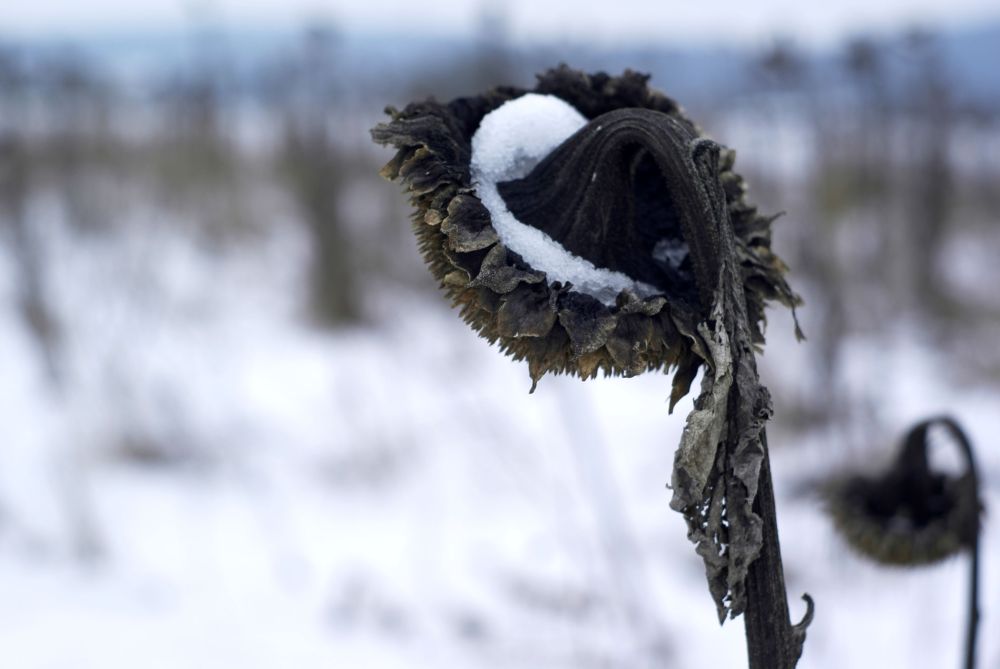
[[214, 483]]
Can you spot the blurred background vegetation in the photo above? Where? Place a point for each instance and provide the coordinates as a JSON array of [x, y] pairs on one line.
[[883, 151], [161, 197]]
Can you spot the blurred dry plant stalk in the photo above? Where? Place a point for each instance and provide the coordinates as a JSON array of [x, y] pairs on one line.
[[636, 177]]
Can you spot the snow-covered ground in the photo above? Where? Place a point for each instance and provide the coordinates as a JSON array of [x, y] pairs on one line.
[[214, 483]]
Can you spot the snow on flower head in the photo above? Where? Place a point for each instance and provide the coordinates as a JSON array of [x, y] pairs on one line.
[[558, 220]]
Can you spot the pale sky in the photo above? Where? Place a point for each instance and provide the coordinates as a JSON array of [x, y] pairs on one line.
[[609, 20]]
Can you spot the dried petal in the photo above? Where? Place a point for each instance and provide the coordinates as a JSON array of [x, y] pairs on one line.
[[501, 277], [468, 225]]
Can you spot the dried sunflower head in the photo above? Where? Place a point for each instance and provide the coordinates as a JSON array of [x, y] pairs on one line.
[[564, 223], [910, 514]]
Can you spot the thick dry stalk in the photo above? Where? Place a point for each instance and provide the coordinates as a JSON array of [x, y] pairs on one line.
[[722, 477], [772, 641]]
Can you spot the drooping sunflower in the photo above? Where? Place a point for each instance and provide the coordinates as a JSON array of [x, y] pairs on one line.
[[909, 514], [564, 223]]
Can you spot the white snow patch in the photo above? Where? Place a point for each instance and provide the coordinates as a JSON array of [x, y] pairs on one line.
[[510, 142]]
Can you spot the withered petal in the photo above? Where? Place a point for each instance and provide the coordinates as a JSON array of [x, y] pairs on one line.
[[468, 225], [631, 342], [527, 311], [500, 276], [587, 322]]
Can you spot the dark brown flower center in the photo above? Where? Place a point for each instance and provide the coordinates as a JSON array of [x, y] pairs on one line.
[[895, 500]]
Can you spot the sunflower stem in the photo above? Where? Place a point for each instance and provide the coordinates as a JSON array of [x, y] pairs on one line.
[[772, 641], [972, 620], [973, 615]]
